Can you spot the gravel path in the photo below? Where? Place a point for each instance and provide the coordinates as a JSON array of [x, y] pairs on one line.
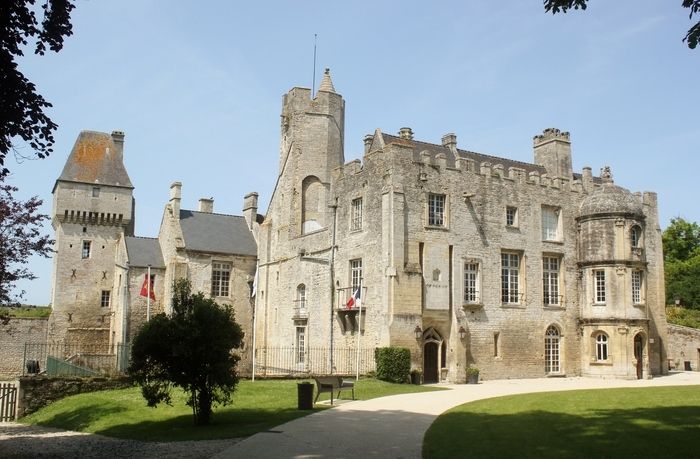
[[23, 441]]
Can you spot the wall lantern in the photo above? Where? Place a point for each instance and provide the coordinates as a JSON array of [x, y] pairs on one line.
[[462, 332], [678, 301], [418, 332]]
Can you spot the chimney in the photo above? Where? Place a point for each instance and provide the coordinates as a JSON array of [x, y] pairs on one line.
[[553, 152], [449, 141], [368, 142], [250, 208], [118, 141], [175, 195], [406, 133], [206, 205]]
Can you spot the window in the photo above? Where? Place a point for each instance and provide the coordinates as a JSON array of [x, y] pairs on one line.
[[635, 236], [636, 287], [496, 344], [510, 276], [220, 277], [550, 223], [599, 276], [436, 210], [601, 347], [86, 249], [511, 216], [300, 345], [104, 299], [471, 283], [95, 191], [356, 215], [551, 350], [301, 297], [550, 281], [356, 276]]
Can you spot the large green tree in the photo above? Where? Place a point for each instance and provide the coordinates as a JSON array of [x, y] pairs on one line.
[[692, 37], [22, 114], [192, 349], [681, 241]]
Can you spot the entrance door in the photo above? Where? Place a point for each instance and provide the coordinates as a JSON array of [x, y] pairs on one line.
[[639, 354], [430, 362]]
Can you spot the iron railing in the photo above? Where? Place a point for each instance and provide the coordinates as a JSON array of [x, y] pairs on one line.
[[75, 360], [291, 361]]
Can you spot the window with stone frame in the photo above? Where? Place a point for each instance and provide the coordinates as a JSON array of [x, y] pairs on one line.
[[601, 347], [636, 237], [471, 283], [637, 282], [301, 297], [105, 298], [300, 345], [550, 280], [551, 223], [87, 246], [599, 285], [436, 209], [511, 216], [356, 215], [356, 276], [510, 277], [95, 191], [552, 341], [220, 279]]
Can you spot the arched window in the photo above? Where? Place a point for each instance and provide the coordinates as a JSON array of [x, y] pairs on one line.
[[301, 297], [635, 236], [551, 350], [601, 346], [312, 204]]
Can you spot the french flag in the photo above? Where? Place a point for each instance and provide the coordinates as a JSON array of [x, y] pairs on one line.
[[354, 300]]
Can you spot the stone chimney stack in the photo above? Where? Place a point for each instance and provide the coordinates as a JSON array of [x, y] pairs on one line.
[[553, 152], [206, 205], [449, 141], [118, 141], [250, 208], [368, 142], [175, 196], [406, 133]]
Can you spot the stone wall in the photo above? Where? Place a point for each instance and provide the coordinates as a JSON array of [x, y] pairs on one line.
[[37, 392], [13, 335], [683, 347]]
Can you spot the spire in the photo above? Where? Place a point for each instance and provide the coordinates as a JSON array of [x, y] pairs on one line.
[[326, 83]]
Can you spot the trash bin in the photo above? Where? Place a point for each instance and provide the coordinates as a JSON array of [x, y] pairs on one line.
[[305, 394], [32, 367]]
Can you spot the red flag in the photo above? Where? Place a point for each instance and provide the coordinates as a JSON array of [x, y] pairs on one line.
[[353, 299], [144, 288]]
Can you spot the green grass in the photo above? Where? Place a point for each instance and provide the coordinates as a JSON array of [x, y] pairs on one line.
[[257, 406], [25, 312], [639, 422]]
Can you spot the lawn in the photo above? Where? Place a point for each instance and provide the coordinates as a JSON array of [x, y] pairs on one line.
[[257, 406], [639, 422], [24, 312]]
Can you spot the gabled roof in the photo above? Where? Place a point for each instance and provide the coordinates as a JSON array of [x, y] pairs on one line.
[[218, 233], [96, 159], [144, 251]]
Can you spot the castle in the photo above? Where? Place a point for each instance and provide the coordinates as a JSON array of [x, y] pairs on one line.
[[521, 269]]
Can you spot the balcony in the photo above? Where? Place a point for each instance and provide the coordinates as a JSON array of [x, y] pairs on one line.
[[300, 312]]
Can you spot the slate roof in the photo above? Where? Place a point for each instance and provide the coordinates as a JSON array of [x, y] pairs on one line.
[[218, 233], [144, 251], [96, 159]]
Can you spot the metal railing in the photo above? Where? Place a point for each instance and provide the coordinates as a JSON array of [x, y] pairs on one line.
[[75, 360], [290, 361]]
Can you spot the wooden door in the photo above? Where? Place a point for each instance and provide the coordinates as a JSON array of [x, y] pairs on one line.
[[430, 363], [639, 355]]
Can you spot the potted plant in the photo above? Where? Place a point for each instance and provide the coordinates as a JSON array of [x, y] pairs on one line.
[[472, 375], [416, 376]]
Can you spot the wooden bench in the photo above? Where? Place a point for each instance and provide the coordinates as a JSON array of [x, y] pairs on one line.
[[331, 384]]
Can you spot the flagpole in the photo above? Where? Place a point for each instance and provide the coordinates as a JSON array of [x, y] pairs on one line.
[[148, 297], [359, 333], [255, 314]]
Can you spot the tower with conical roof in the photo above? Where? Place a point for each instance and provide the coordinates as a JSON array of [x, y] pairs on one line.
[[93, 208]]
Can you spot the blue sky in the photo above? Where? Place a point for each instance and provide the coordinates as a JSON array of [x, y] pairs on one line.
[[197, 87]]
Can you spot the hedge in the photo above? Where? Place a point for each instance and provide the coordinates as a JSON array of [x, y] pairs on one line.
[[393, 364]]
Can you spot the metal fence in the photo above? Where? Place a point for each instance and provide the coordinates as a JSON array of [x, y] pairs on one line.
[[8, 402], [75, 360], [291, 361]]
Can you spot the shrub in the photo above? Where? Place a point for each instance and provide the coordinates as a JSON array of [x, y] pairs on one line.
[[393, 364]]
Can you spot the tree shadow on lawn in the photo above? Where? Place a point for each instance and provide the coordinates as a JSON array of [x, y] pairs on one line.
[[639, 432]]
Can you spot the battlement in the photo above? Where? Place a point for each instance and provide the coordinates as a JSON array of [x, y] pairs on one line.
[[550, 134]]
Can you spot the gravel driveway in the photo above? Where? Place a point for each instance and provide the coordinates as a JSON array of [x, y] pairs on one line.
[[23, 441]]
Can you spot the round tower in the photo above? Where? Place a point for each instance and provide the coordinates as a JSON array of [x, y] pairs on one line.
[[614, 313]]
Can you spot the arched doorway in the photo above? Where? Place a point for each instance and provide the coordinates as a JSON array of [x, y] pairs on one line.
[[432, 344], [552, 360], [639, 354]]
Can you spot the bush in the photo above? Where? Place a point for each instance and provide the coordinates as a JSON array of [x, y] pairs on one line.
[[393, 364]]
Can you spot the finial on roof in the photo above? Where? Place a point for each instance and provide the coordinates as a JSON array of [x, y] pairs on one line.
[[326, 83]]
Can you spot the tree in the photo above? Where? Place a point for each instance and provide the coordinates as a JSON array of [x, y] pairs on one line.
[[692, 37], [192, 350], [681, 241], [20, 237], [22, 114]]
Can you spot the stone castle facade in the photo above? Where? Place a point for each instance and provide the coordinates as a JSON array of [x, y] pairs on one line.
[[520, 269]]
